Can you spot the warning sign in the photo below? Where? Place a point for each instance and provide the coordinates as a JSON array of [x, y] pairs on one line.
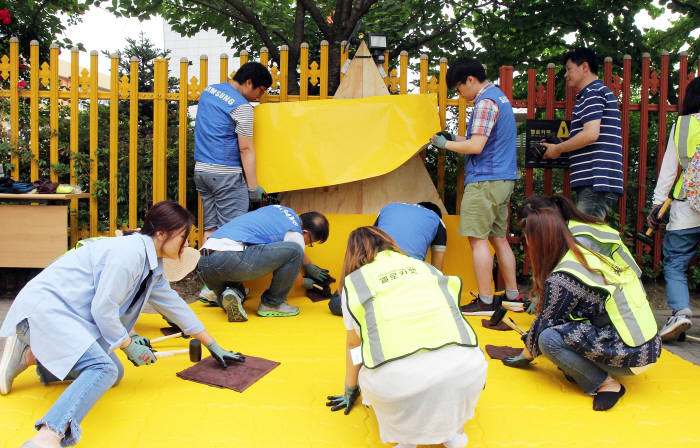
[[553, 131]]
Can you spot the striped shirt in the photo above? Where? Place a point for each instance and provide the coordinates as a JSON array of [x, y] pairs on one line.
[[243, 117], [599, 164]]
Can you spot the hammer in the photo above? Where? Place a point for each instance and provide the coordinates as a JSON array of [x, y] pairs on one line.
[[646, 236], [195, 351], [163, 338]]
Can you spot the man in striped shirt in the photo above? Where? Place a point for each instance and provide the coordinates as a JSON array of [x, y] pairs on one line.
[[595, 143], [224, 170]]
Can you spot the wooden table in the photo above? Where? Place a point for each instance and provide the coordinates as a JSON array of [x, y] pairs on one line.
[[33, 228]]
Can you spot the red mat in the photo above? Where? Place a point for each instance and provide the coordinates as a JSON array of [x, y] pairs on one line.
[[502, 352], [238, 376]]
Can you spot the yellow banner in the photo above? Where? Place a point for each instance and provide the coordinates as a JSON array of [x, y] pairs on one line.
[[328, 142]]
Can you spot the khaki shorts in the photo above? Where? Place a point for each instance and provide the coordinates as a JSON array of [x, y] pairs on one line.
[[484, 210]]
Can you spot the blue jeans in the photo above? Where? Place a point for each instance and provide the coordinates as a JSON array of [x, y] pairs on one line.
[[220, 269], [589, 375], [93, 374], [679, 248], [595, 203]]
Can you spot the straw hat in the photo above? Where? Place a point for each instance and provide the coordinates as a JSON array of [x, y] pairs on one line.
[[176, 270]]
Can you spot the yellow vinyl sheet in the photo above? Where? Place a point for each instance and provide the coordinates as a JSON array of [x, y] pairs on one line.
[[328, 142]]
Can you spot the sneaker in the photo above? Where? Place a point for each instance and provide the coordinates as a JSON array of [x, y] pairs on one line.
[[518, 305], [678, 323], [207, 296], [477, 308], [12, 363], [232, 303], [282, 310]]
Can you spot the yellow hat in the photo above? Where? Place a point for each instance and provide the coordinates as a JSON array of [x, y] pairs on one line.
[[176, 270]]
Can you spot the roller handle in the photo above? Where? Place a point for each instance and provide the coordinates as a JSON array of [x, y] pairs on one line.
[[165, 354], [508, 321], [163, 338], [662, 212]]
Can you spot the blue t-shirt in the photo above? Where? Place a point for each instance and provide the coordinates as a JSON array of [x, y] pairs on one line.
[[413, 227], [262, 226], [599, 164]]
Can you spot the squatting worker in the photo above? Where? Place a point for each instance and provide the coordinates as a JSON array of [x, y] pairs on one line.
[[593, 319], [415, 228], [71, 317], [225, 170], [409, 349], [490, 173]]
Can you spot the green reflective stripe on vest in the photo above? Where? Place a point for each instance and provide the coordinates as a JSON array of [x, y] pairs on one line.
[[635, 326], [364, 295], [404, 306]]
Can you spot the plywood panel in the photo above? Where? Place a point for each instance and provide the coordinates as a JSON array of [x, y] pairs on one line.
[[32, 236]]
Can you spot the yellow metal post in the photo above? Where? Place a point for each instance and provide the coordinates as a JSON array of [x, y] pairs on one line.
[[243, 57], [182, 135], [284, 79], [14, 103], [304, 75], [403, 65], [223, 67], [74, 121], [264, 56], [160, 130], [423, 83], [324, 70], [442, 103], [133, 140], [113, 142], [203, 81], [94, 109], [53, 111], [34, 108]]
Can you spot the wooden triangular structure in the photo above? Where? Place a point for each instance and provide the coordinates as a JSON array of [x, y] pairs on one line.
[[409, 183]]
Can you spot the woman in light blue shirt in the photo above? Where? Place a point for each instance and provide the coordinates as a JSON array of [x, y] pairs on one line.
[[71, 317]]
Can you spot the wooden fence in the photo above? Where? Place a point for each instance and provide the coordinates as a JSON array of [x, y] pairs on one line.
[[44, 87]]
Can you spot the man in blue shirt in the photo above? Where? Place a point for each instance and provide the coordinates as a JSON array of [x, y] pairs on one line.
[[270, 239], [490, 173], [225, 171], [595, 142]]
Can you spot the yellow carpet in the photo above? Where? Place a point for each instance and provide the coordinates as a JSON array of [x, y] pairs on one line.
[[519, 408]]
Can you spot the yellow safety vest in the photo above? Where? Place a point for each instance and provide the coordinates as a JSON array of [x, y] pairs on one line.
[[403, 306], [626, 303], [687, 140], [609, 238]]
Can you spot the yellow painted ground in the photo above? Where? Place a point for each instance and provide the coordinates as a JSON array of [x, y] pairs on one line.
[[519, 408]]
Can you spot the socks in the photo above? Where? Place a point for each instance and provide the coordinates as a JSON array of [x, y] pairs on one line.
[[606, 400], [486, 299], [512, 294]]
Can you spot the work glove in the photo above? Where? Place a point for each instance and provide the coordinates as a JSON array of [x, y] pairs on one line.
[[316, 273], [256, 195], [533, 303], [517, 361], [346, 401], [142, 340], [222, 355], [438, 140], [308, 283], [653, 219], [139, 354]]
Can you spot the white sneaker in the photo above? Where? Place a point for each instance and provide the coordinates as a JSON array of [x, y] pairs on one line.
[[282, 310], [678, 323], [12, 363], [207, 296]]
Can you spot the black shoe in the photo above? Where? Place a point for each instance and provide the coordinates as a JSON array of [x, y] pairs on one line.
[[606, 400], [477, 308]]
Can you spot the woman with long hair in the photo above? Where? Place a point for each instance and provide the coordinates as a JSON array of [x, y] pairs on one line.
[[409, 349], [683, 228], [69, 319], [593, 321]]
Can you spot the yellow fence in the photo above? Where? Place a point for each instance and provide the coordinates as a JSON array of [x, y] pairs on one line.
[[83, 85]]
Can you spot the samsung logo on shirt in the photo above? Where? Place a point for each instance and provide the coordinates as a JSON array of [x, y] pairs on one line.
[[287, 214], [219, 94]]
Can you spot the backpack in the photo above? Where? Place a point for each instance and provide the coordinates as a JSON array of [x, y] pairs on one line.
[[691, 182]]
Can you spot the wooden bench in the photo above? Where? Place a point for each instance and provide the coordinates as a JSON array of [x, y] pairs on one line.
[[33, 228]]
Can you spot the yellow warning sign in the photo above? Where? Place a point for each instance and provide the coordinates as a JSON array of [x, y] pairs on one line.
[[563, 130]]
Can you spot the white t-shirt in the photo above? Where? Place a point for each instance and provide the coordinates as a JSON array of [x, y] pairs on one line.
[[225, 244]]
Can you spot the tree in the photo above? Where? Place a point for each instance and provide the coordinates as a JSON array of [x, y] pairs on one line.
[[41, 21]]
